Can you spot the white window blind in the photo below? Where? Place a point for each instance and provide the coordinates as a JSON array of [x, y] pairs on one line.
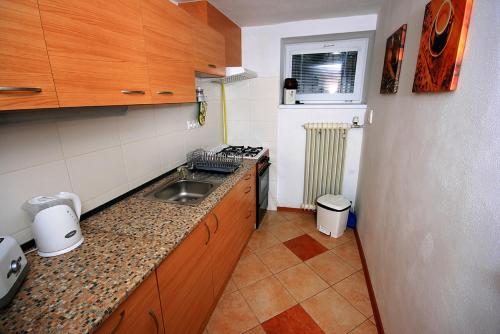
[[329, 71]]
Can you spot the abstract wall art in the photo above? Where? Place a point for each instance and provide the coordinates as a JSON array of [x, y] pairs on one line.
[[394, 51], [442, 45]]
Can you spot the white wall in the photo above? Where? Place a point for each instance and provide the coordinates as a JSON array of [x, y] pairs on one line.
[[253, 106], [429, 208], [292, 147], [98, 153], [261, 45], [252, 113]]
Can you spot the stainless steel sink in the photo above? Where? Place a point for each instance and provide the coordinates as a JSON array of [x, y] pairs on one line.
[[189, 192]]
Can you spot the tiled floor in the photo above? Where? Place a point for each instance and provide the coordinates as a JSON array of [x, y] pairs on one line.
[[293, 279]]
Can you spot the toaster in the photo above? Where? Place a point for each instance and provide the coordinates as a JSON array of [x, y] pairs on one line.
[[13, 269]]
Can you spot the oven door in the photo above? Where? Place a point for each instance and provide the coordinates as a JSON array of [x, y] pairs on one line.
[[262, 193]]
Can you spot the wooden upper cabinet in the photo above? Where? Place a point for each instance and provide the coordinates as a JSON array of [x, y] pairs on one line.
[[185, 284], [139, 313], [168, 44], [25, 76], [96, 50], [208, 14], [209, 46]]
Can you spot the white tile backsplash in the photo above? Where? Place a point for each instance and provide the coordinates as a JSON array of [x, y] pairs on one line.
[[21, 185], [28, 144], [142, 160], [137, 123], [95, 173], [97, 156], [82, 136], [238, 109], [259, 98]]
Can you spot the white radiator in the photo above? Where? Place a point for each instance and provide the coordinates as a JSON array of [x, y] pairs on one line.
[[326, 145]]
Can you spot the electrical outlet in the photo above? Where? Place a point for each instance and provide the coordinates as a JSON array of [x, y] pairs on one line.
[[193, 124]]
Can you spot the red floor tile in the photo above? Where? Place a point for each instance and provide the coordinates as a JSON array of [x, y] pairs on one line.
[[305, 247], [293, 321]]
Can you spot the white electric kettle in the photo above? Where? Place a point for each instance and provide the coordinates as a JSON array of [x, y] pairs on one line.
[[56, 226]]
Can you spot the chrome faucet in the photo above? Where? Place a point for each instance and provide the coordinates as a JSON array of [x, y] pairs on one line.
[[183, 171]]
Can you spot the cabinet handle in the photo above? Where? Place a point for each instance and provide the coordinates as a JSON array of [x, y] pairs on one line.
[[208, 231], [249, 214], [122, 316], [248, 177], [248, 190], [155, 318], [212, 65], [165, 92], [126, 91], [216, 222], [21, 89]]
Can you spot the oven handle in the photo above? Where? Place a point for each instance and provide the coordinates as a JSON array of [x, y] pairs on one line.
[[264, 169]]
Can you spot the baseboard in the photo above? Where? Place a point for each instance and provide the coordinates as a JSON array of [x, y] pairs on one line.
[[284, 208], [373, 301]]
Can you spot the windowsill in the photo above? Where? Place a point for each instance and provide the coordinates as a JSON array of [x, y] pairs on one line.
[[323, 106]]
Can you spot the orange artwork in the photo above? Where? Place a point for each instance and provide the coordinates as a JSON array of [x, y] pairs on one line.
[[442, 45], [394, 51]]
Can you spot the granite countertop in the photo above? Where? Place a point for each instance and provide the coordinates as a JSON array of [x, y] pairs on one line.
[[75, 292]]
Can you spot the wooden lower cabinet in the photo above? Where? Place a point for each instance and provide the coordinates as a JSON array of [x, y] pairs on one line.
[[140, 313], [185, 284], [192, 278]]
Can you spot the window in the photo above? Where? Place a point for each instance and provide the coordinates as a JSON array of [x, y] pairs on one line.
[[328, 71]]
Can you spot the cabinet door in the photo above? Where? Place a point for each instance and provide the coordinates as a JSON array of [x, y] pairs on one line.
[[185, 284], [233, 214], [139, 313], [168, 43], [25, 76], [209, 47], [96, 50]]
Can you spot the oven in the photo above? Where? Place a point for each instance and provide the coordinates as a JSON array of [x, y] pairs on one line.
[[263, 165]]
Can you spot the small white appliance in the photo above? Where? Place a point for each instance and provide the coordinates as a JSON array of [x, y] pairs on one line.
[[333, 211], [13, 269], [56, 224]]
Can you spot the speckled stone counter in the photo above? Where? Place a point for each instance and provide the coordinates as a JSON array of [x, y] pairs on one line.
[[75, 292]]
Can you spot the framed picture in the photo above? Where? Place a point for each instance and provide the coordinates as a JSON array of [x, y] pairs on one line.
[[442, 45], [394, 51]]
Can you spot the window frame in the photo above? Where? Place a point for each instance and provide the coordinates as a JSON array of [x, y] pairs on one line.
[[356, 44]]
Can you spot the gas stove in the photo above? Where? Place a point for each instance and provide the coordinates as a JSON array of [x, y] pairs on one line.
[[246, 152]]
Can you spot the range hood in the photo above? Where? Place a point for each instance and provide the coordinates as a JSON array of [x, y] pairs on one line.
[[233, 74]]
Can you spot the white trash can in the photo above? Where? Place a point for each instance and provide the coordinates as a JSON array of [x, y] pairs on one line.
[[333, 211]]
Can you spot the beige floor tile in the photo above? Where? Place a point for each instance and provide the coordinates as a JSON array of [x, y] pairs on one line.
[[328, 241], [296, 215], [278, 258], [332, 312], [349, 232], [232, 315], [272, 218], [372, 319], [349, 253], [205, 331], [285, 231], [354, 289], [262, 239], [230, 287], [256, 330], [249, 270], [267, 298], [330, 267], [365, 328], [306, 225], [301, 282], [246, 252]]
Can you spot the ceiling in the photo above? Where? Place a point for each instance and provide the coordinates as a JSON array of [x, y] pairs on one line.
[[262, 12]]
